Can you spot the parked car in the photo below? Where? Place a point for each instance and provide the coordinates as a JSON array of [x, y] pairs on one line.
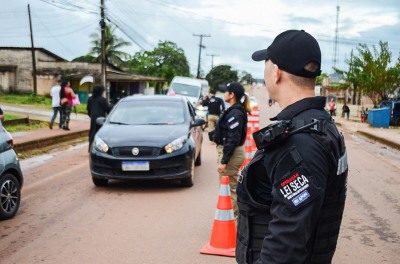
[[394, 106], [148, 137], [11, 177]]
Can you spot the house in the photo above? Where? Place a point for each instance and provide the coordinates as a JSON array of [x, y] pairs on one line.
[[16, 75]]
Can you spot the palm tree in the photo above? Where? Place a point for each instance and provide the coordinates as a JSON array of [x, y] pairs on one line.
[[113, 45]]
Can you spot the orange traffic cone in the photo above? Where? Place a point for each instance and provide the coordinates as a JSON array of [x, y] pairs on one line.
[[223, 235]]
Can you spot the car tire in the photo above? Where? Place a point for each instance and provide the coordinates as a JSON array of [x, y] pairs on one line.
[[188, 182], [198, 160], [10, 198], [100, 182]]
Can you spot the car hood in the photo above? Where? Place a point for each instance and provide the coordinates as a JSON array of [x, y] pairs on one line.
[[141, 135]]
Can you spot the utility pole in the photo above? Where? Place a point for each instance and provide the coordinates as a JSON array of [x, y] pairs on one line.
[[200, 47], [103, 50], [33, 54], [335, 48], [212, 59]]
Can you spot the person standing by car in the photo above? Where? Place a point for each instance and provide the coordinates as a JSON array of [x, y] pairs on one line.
[[230, 135], [97, 106], [215, 107], [55, 103], [66, 96], [291, 195]]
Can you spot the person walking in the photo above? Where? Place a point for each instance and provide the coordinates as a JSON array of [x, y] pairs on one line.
[[332, 107], [1, 114], [215, 107], [55, 103], [291, 195], [346, 111], [230, 135], [66, 96], [97, 106]]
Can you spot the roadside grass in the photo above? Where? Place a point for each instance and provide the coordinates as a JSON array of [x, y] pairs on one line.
[[39, 101], [33, 124], [11, 117]]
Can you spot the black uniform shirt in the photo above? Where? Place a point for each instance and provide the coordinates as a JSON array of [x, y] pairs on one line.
[[233, 126], [279, 182], [215, 105]]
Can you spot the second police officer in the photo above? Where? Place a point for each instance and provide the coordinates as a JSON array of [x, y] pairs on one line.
[[230, 135]]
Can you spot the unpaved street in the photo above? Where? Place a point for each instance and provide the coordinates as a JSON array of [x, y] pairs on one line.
[[64, 218]]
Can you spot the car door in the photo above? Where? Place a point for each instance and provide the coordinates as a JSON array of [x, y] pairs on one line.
[[196, 132]]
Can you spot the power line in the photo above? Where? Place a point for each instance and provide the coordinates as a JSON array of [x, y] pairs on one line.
[[200, 47]]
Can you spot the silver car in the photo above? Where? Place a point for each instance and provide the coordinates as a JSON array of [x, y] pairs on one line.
[[11, 178]]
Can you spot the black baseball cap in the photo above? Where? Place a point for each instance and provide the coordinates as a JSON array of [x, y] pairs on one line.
[[291, 51], [234, 87]]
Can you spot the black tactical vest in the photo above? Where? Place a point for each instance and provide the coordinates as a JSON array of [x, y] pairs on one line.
[[254, 217]]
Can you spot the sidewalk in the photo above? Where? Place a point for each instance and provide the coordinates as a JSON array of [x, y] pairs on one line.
[[79, 126], [388, 136]]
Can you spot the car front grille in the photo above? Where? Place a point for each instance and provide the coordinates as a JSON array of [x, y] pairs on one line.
[[144, 152]]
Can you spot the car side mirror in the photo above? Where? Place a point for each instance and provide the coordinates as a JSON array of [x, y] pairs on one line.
[[198, 122], [100, 121]]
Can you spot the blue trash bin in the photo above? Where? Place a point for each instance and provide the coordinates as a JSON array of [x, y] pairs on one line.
[[379, 117]]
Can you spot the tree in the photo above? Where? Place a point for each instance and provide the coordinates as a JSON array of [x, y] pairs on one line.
[[221, 75], [246, 78], [370, 73], [112, 47], [85, 58], [166, 60]]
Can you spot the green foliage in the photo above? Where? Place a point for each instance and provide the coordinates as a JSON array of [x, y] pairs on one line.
[[166, 60], [85, 58], [247, 78], [370, 72], [221, 75], [33, 124], [113, 45]]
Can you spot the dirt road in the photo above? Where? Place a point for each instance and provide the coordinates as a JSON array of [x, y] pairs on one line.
[[64, 218]]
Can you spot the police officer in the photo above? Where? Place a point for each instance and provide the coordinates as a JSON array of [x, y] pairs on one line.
[[215, 107], [230, 135], [291, 195]]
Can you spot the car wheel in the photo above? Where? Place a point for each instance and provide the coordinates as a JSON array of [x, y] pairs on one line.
[[188, 182], [198, 160], [100, 182], [10, 196]]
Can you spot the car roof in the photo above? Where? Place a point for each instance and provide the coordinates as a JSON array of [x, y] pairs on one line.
[[158, 97]]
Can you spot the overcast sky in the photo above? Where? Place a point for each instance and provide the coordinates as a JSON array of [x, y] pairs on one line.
[[236, 28]]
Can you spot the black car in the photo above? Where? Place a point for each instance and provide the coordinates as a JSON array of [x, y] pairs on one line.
[[147, 137], [11, 177]]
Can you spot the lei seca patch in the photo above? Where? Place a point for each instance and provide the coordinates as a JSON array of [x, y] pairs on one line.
[[297, 190]]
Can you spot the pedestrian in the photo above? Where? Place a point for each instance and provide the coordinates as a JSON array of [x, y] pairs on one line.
[[291, 195], [363, 114], [66, 96], [332, 107], [55, 103], [230, 135], [97, 106], [215, 108], [345, 111]]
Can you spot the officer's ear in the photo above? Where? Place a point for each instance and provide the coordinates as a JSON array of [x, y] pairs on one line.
[[277, 73]]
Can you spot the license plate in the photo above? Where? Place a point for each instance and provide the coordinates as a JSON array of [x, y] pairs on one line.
[[135, 166]]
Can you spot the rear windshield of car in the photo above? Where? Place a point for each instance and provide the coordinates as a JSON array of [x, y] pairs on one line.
[[148, 113]]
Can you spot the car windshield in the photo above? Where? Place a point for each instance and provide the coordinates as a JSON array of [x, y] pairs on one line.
[[184, 89], [148, 113]]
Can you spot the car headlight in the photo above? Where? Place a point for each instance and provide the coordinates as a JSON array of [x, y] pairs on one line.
[[176, 144], [100, 145]]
